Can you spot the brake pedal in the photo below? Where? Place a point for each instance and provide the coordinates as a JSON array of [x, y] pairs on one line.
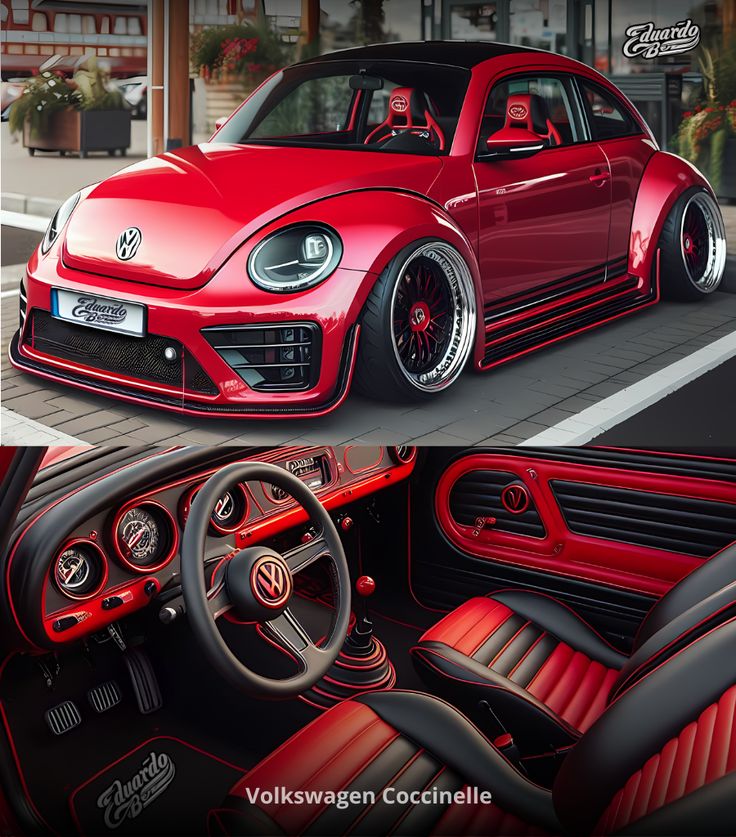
[[63, 718], [144, 680], [104, 697]]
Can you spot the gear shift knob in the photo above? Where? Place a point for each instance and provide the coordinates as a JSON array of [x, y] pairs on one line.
[[365, 586]]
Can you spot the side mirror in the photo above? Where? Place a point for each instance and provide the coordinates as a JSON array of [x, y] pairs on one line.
[[220, 122], [512, 142]]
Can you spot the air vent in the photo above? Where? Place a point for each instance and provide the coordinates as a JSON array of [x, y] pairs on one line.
[[479, 494], [270, 358], [678, 524]]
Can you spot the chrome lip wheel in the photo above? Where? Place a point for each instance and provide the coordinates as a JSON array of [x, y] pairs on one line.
[[433, 316], [703, 242]]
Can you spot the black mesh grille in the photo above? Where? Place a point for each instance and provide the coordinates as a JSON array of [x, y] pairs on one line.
[[275, 357], [137, 357]]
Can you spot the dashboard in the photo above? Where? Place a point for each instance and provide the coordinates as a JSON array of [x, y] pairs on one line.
[[105, 557]]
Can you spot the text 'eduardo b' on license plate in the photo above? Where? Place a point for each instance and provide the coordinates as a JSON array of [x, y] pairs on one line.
[[98, 311]]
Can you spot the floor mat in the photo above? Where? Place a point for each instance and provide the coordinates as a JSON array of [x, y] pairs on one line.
[[163, 786]]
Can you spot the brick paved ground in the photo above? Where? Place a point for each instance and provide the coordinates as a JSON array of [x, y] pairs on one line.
[[504, 406]]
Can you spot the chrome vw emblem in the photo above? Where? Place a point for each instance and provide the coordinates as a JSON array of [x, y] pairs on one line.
[[515, 498], [271, 582], [128, 243]]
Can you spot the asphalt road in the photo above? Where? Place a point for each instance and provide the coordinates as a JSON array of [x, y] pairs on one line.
[[17, 245], [701, 411]]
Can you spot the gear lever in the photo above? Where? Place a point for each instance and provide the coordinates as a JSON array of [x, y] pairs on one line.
[[360, 640]]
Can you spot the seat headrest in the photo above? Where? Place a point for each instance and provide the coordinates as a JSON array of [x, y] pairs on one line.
[[408, 103], [527, 110]]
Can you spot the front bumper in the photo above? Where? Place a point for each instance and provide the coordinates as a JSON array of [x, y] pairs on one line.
[[123, 368]]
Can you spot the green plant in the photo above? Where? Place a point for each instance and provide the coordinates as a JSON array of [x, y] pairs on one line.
[[43, 95], [244, 49]]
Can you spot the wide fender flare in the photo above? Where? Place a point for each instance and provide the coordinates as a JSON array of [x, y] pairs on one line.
[[376, 224], [665, 178]]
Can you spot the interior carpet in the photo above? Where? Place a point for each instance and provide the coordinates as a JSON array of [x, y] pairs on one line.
[[163, 786]]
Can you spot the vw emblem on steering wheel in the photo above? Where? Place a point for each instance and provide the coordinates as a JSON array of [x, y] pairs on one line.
[[271, 582], [128, 243]]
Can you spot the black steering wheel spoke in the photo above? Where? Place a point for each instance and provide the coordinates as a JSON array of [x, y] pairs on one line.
[[301, 556], [289, 633], [218, 600]]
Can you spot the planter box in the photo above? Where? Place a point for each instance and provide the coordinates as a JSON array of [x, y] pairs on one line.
[[82, 131]]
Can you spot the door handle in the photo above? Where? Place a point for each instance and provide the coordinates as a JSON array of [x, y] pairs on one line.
[[599, 178]]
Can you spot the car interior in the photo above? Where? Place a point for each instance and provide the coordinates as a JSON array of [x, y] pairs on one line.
[[181, 626]]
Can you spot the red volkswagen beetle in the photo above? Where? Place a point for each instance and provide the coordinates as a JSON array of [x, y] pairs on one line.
[[383, 215]]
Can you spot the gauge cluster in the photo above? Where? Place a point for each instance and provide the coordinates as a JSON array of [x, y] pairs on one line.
[[120, 557]]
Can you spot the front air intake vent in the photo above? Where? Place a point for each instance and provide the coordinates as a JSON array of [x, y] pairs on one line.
[[496, 494], [270, 358], [679, 524]]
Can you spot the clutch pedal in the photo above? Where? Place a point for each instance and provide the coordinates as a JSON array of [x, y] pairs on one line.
[[63, 718], [144, 680], [104, 697]]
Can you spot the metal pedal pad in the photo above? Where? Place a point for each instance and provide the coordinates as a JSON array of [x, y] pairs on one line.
[[63, 718], [104, 697]]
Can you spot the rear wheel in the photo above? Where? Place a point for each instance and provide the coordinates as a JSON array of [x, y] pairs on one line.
[[693, 247], [418, 325]]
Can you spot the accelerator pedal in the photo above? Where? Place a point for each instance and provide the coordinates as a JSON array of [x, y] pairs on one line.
[[63, 718], [144, 680], [104, 697]]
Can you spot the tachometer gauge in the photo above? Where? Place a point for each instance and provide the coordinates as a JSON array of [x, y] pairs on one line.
[[229, 514], [145, 537], [80, 569]]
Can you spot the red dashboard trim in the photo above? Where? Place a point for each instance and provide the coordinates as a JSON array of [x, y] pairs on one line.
[[631, 567]]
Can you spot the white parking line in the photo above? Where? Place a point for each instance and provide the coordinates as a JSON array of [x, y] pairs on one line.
[[607, 413], [37, 223]]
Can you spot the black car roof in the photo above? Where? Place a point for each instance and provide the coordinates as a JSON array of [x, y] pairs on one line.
[[465, 54]]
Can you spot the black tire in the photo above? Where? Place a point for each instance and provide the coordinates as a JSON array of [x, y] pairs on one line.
[[32, 152], [379, 373], [685, 274]]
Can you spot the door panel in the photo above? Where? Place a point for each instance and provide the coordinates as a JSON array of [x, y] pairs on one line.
[[607, 525], [542, 219], [609, 571]]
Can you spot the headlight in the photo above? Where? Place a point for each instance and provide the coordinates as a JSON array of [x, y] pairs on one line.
[[295, 258], [63, 213]]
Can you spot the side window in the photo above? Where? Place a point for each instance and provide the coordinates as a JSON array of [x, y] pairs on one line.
[[609, 119], [318, 105], [541, 104]]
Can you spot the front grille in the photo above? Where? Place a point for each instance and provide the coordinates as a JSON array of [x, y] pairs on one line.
[[271, 358], [136, 357]]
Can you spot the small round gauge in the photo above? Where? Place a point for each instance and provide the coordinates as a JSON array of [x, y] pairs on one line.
[[80, 569], [145, 537], [229, 513]]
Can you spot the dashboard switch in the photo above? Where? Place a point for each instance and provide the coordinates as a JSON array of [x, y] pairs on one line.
[[150, 588], [65, 622], [346, 523], [111, 602]]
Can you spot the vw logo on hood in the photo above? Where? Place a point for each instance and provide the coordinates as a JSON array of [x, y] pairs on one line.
[[128, 243]]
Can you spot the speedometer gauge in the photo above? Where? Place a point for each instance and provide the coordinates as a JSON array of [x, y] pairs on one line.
[[229, 514], [80, 569], [145, 536]]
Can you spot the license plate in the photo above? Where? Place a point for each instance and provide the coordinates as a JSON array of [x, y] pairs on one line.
[[100, 312]]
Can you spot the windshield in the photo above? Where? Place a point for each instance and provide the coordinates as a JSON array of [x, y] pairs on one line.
[[394, 106]]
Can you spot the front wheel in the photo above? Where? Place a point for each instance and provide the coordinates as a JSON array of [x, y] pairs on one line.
[[693, 247], [418, 325]]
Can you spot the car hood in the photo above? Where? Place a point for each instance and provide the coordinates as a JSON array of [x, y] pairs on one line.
[[195, 206]]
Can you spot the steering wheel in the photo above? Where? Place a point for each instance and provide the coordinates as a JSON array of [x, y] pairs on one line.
[[256, 583]]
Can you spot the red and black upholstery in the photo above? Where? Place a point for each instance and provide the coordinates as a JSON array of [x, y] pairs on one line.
[[529, 111], [409, 111], [548, 675], [661, 759]]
